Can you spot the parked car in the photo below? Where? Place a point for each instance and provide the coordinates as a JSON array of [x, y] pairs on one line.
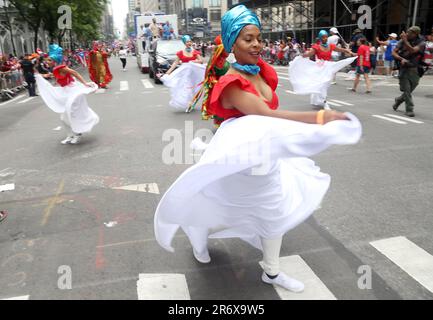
[[161, 56]]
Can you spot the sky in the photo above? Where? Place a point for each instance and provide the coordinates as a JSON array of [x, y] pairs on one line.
[[120, 9]]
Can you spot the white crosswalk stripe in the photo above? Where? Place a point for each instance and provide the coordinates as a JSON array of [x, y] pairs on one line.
[[18, 298], [334, 104], [341, 102], [124, 86], [147, 84], [389, 119], [291, 92], [315, 289], [169, 286], [26, 100], [284, 78], [404, 118], [12, 100], [412, 259], [100, 90]]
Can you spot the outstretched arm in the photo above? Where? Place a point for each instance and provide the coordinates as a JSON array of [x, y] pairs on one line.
[[77, 75], [173, 66], [309, 53], [249, 104], [346, 51], [199, 59]]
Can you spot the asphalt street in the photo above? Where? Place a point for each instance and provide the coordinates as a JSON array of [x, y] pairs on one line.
[[89, 208]]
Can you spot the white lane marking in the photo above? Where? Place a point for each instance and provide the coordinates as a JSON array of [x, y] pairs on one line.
[[26, 100], [162, 287], [100, 90], [389, 119], [412, 259], [291, 92], [7, 187], [18, 298], [334, 104], [153, 188], [12, 100], [284, 78], [342, 102], [403, 118], [124, 86], [144, 187], [315, 289], [146, 83]]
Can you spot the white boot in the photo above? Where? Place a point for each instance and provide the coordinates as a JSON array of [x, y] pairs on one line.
[[202, 257], [76, 139], [68, 139], [284, 281]]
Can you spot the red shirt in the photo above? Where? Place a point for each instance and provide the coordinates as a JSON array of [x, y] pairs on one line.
[[364, 51], [185, 59], [215, 106], [63, 80], [321, 54]]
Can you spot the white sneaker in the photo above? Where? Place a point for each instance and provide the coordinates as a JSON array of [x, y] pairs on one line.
[[202, 257], [285, 282], [76, 139], [326, 106], [67, 140]]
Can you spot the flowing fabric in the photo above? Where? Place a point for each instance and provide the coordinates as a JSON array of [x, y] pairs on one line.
[[184, 83], [253, 180], [70, 102], [309, 77]]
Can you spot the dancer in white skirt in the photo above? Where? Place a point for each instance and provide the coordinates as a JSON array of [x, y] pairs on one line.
[[254, 180], [69, 99], [184, 82], [318, 76]]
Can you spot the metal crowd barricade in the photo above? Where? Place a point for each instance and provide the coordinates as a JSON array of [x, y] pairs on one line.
[[11, 83]]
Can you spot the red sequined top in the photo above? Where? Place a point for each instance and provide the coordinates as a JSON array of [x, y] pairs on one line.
[[321, 54], [61, 79], [215, 106], [185, 59]]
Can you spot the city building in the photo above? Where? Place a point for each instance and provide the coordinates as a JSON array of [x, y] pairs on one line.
[[303, 19], [15, 34], [200, 18]]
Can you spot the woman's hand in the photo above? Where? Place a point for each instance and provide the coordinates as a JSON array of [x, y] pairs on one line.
[[89, 84], [331, 115]]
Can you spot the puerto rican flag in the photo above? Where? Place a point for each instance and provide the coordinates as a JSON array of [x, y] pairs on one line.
[[81, 58]]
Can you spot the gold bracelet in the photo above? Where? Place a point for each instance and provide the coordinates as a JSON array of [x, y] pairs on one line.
[[320, 117]]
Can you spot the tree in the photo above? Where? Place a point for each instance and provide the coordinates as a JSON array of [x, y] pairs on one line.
[[30, 11], [86, 17]]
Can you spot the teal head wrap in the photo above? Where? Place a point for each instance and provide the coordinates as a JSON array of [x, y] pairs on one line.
[[233, 22], [55, 53], [186, 38], [320, 35]]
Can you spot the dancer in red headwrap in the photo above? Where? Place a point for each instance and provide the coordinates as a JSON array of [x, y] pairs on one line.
[[99, 70]]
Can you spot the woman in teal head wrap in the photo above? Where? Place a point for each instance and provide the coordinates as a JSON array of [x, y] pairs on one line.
[[186, 55], [323, 51], [68, 98], [254, 181]]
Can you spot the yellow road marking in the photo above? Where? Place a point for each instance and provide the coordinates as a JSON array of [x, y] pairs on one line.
[[52, 202]]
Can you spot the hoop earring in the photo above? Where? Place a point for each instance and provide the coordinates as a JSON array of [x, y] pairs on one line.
[[231, 58]]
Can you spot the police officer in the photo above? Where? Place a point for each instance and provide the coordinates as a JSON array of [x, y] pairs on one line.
[[408, 53]]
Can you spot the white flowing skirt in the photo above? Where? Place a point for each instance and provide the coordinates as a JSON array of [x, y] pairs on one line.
[[254, 180], [184, 84], [70, 102], [314, 77]]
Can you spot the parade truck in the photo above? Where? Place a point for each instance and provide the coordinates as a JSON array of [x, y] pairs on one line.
[[143, 44]]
